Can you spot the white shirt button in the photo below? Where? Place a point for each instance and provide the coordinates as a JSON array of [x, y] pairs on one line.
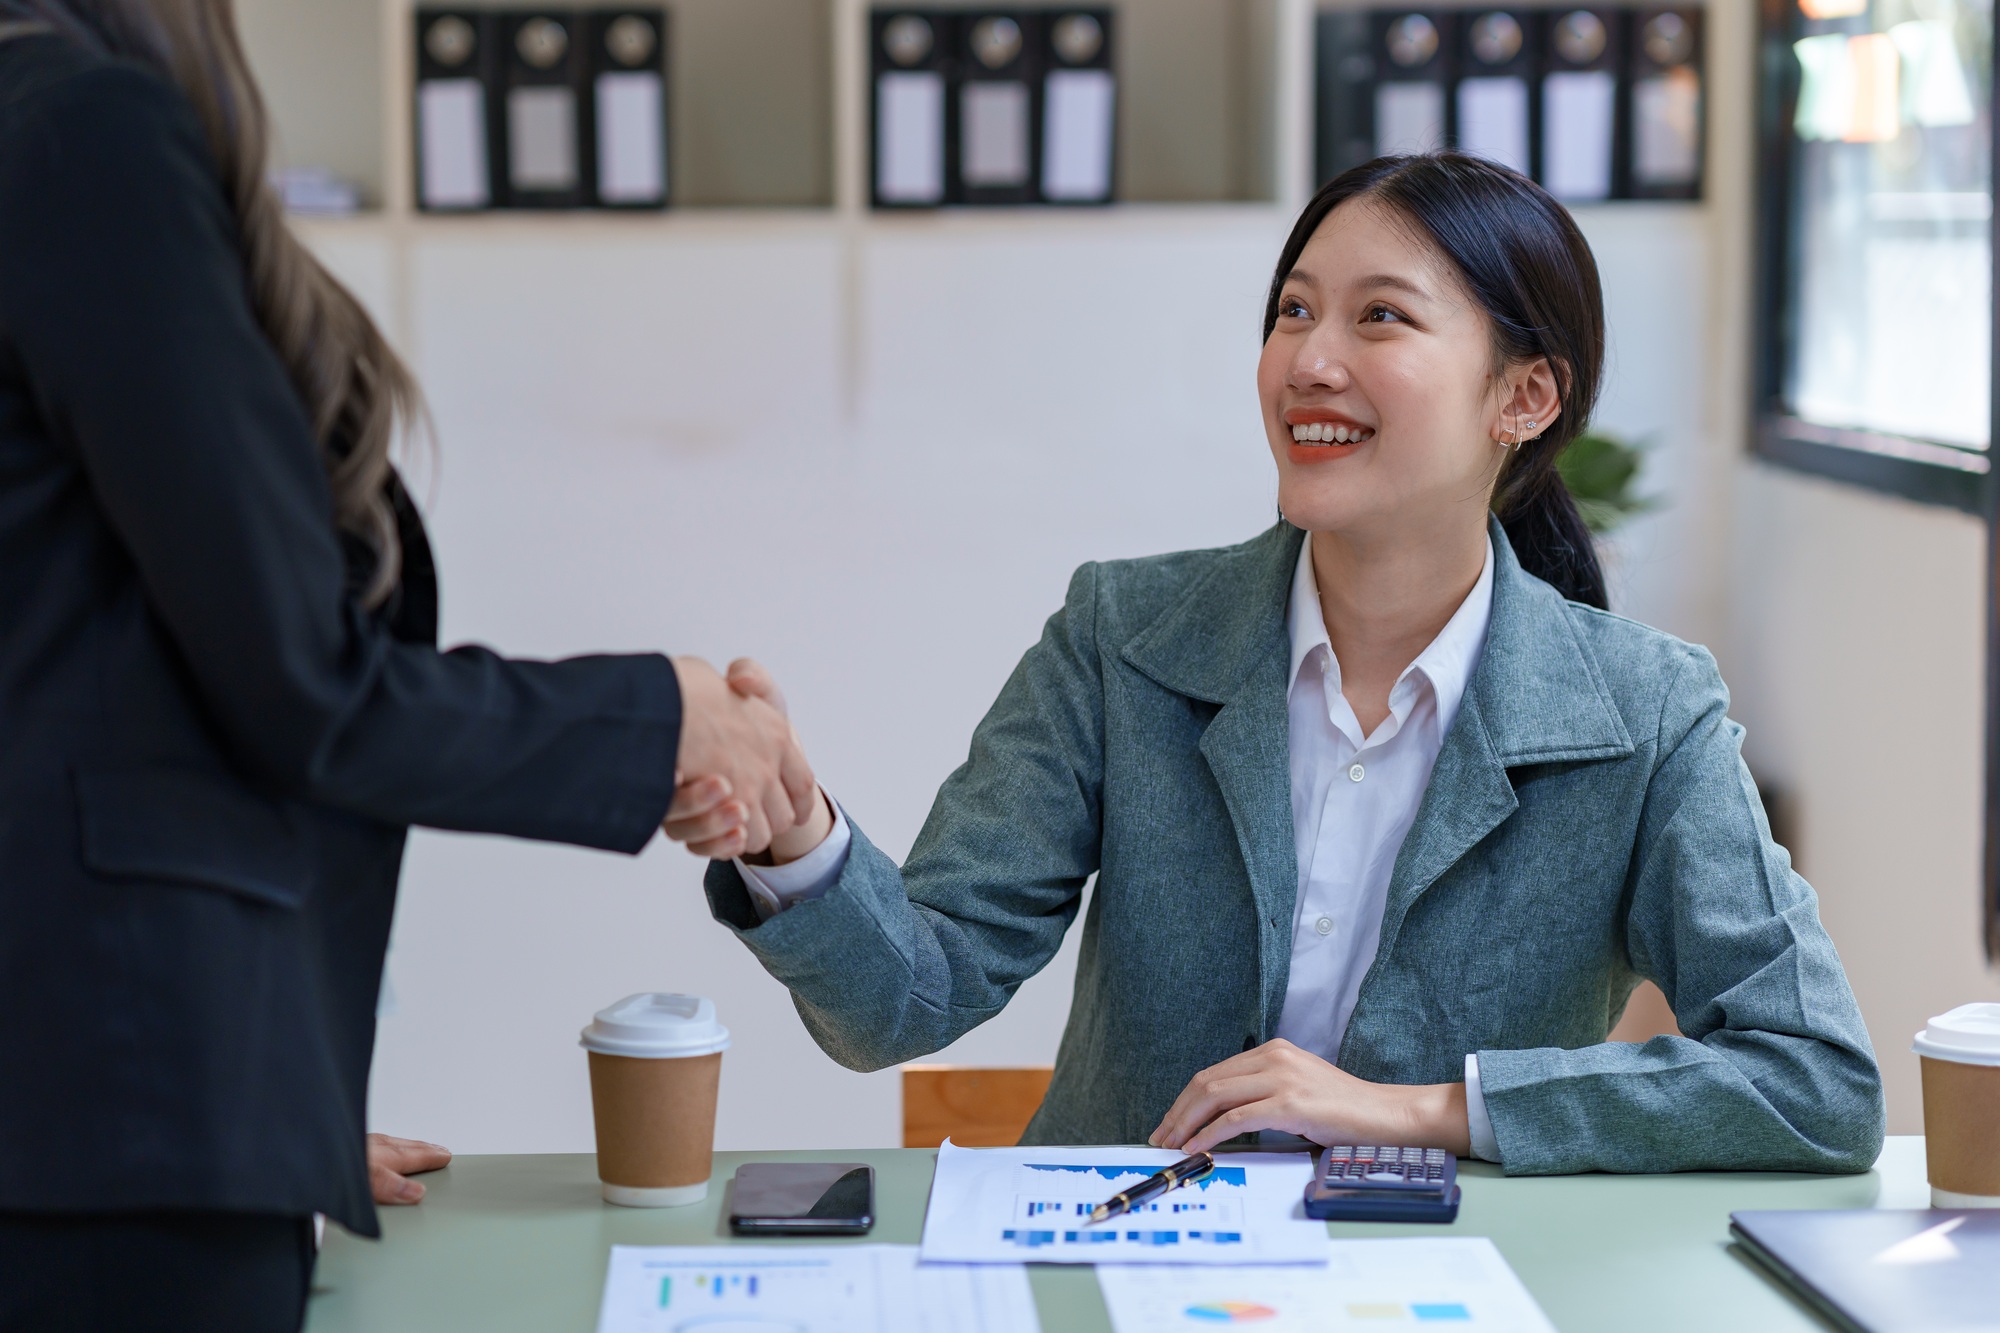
[[1357, 773], [1323, 926]]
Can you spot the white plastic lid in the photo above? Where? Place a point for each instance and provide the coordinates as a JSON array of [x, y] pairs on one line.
[[1967, 1035], [657, 1027]]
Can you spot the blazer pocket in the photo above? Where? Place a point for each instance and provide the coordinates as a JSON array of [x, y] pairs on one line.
[[190, 827]]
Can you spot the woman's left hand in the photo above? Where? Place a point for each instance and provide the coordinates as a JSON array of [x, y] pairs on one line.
[[392, 1161], [1278, 1086]]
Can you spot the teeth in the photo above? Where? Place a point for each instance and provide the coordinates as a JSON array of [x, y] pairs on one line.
[[1326, 432]]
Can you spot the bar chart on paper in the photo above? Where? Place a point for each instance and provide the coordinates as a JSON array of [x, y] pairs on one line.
[[667, 1291], [1033, 1205], [808, 1289], [1052, 1204]]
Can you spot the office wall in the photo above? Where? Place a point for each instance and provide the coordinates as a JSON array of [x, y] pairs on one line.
[[1857, 666]]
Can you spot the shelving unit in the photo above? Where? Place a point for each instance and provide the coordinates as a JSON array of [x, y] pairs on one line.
[[769, 100]]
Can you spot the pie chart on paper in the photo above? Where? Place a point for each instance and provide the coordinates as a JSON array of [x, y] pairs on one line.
[[1230, 1312]]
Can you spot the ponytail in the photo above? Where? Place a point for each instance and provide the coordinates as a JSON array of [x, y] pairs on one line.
[[1548, 534], [1522, 258]]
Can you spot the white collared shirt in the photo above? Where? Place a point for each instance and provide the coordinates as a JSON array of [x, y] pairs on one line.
[[1354, 798]]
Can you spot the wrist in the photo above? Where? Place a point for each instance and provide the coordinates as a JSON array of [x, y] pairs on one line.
[[800, 839], [1434, 1117]]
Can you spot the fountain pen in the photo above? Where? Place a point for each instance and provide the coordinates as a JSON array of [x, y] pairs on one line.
[[1180, 1173]]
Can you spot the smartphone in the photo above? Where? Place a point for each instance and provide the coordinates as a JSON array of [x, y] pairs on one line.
[[802, 1199]]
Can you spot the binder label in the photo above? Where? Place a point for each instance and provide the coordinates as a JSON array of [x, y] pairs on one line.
[[631, 157], [909, 148], [1076, 134], [451, 130]]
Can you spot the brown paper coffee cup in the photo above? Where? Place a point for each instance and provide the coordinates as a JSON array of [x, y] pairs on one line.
[[1960, 1054], [655, 1068]]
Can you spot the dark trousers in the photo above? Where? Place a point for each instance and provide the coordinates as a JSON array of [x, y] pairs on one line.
[[153, 1273]]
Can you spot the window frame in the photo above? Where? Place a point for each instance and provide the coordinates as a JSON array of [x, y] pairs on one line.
[[1912, 469]]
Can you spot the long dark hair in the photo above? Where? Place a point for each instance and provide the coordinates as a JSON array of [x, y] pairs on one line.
[[355, 389], [1521, 256]]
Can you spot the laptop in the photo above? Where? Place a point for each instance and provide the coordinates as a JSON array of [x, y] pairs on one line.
[[1884, 1270]]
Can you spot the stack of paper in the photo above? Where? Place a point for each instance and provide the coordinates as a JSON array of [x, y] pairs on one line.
[[808, 1289], [1009, 1205]]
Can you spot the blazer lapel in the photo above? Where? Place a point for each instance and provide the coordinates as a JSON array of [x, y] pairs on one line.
[[1226, 643], [1535, 697]]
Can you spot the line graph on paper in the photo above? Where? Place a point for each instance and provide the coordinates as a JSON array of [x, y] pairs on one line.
[[1052, 1203]]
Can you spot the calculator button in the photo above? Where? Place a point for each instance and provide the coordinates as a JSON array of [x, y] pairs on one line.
[[1383, 1175]]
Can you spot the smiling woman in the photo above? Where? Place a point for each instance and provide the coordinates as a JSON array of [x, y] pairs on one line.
[[1387, 816]]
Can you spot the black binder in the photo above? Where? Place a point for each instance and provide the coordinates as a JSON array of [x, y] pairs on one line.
[[1344, 68], [549, 138], [1079, 107], [1667, 104], [1493, 110], [628, 78], [1583, 54], [1413, 60], [994, 116], [457, 69], [910, 55]]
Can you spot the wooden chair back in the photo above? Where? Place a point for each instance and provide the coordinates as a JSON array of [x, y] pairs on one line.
[[974, 1108]]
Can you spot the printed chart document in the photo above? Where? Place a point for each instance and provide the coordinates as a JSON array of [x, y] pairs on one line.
[[808, 1289], [1010, 1205], [1449, 1283]]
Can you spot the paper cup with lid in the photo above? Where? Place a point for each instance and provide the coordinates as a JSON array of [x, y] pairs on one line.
[[1961, 1068], [655, 1065]]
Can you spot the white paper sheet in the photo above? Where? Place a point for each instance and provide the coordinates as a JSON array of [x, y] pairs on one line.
[[451, 143], [1578, 107], [631, 138], [993, 136], [1449, 1282], [808, 1289], [1409, 117], [1493, 120], [1009, 1205], [909, 137], [1079, 107], [1666, 128], [541, 138]]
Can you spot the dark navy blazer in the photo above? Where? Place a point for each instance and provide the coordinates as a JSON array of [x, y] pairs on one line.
[[209, 754]]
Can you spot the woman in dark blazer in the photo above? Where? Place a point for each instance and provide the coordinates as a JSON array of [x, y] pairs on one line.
[[220, 700]]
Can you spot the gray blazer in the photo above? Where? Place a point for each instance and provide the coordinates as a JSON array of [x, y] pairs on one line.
[[1589, 822]]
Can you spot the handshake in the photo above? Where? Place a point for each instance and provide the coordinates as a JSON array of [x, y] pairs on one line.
[[742, 786]]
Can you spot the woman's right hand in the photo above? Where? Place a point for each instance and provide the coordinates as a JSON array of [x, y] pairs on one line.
[[752, 681], [742, 776], [712, 823]]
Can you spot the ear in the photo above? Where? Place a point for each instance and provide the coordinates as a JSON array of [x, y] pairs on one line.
[[1528, 393]]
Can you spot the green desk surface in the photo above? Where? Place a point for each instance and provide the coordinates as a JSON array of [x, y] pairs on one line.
[[520, 1243]]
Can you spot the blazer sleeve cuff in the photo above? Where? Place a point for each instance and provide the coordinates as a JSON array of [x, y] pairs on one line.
[[1479, 1124], [819, 942]]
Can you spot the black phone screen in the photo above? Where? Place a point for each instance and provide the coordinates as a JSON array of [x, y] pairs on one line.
[[805, 1198]]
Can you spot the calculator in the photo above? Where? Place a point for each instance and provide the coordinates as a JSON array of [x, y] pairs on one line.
[[1371, 1183]]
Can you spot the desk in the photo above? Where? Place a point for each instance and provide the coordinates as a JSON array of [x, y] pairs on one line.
[[520, 1243]]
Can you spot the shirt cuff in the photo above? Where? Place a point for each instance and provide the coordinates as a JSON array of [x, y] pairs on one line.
[[774, 888], [1484, 1146]]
